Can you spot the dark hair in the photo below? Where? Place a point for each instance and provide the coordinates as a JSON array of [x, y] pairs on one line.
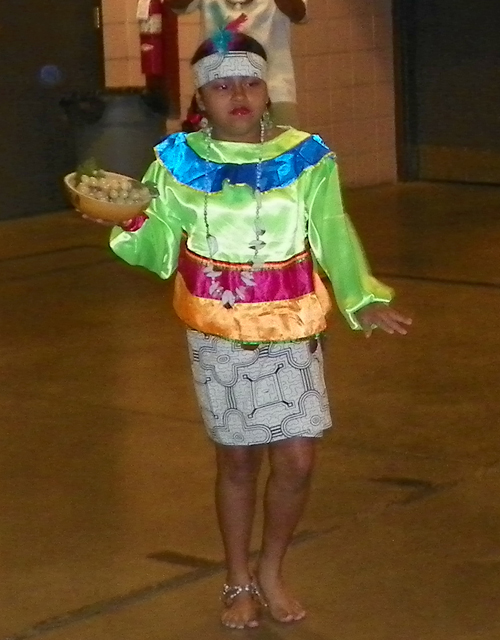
[[239, 42]]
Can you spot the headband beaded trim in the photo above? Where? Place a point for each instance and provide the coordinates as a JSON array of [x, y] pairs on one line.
[[227, 65]]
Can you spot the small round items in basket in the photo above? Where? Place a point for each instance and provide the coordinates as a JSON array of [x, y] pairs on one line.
[[108, 196]]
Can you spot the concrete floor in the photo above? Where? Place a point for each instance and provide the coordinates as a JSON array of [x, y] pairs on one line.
[[106, 523]]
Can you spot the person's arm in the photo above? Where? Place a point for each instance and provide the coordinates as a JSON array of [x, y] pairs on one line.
[[180, 5], [336, 246], [295, 10]]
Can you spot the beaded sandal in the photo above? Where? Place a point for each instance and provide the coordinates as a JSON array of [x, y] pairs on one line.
[[231, 592]]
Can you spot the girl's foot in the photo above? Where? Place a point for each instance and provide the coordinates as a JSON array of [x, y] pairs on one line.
[[241, 609], [280, 604]]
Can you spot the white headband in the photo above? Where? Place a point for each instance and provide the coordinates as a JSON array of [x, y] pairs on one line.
[[227, 65]]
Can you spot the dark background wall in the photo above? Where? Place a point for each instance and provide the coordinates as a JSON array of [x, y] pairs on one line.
[[48, 49], [450, 71]]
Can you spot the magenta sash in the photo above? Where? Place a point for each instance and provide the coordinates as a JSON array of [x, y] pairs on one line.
[[286, 280]]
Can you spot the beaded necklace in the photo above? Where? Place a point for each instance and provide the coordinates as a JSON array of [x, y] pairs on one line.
[[227, 296]]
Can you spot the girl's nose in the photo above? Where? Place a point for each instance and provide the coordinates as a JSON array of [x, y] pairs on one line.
[[238, 90]]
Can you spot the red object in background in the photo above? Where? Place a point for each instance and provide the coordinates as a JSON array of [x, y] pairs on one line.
[[171, 53], [159, 44], [151, 39]]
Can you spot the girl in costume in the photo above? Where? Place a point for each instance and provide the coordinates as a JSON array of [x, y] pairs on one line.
[[244, 211]]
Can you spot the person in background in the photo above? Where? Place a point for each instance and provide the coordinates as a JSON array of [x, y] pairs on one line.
[[268, 21]]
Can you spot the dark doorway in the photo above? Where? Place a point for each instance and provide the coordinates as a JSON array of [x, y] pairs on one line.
[[48, 48], [450, 115]]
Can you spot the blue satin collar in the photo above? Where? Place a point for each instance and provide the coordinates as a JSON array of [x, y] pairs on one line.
[[188, 168]]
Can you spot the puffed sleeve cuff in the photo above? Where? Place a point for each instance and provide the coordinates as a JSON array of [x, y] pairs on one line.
[[135, 224], [350, 313]]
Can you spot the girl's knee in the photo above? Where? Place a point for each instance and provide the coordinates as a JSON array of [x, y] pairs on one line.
[[294, 465], [238, 465], [295, 476]]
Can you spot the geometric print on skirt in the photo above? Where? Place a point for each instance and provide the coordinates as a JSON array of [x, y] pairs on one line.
[[249, 397]]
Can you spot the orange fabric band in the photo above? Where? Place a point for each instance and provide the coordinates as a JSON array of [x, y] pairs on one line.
[[277, 321]]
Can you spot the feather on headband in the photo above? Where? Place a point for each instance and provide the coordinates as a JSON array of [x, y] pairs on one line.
[[224, 35], [226, 63]]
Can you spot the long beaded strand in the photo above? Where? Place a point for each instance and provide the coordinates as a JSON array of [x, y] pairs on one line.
[[228, 297]]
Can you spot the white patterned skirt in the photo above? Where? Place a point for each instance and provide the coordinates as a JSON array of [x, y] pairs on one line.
[[262, 395]]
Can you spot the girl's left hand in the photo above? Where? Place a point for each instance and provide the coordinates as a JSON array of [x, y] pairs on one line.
[[383, 317]]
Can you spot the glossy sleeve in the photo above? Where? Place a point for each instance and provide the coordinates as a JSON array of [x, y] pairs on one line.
[[155, 246], [336, 246]]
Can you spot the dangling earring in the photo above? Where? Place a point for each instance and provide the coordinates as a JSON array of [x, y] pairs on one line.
[[266, 121], [205, 126]]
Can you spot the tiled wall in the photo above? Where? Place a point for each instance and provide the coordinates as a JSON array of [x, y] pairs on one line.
[[121, 44], [344, 68]]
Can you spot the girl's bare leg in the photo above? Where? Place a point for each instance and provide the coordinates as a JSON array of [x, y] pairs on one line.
[[235, 493], [287, 490]]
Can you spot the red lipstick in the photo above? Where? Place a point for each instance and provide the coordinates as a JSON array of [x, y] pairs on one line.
[[240, 111]]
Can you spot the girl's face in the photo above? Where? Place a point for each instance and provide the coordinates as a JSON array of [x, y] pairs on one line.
[[234, 107]]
